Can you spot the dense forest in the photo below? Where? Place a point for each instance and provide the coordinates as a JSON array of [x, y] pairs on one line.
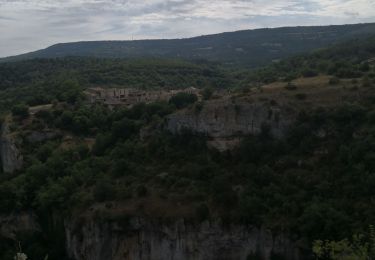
[[347, 60], [316, 183], [41, 81]]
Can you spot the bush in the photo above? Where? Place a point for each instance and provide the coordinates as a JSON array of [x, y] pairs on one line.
[[141, 191], [20, 110], [124, 128], [103, 141], [290, 86], [182, 100], [366, 82], [207, 93], [198, 107], [309, 73], [301, 96], [104, 190], [202, 212], [334, 81]]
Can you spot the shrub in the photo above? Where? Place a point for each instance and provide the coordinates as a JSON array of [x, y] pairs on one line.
[[354, 81], [20, 110], [207, 93], [103, 190], [308, 73], [334, 81], [366, 82], [182, 100], [202, 212], [290, 86], [198, 107], [141, 191], [301, 96]]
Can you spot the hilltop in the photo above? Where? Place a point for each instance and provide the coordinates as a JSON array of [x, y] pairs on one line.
[[250, 48]]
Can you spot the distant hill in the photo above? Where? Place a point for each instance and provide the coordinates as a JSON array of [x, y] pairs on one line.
[[249, 48], [349, 59]]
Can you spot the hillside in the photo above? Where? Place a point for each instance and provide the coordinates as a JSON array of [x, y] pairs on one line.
[[108, 172], [249, 48], [41, 81], [257, 172], [350, 59]]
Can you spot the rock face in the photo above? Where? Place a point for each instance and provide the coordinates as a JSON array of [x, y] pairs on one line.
[[141, 239], [225, 120], [41, 136], [10, 225], [11, 158]]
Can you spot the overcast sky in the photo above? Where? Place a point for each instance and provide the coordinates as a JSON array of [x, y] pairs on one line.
[[27, 25]]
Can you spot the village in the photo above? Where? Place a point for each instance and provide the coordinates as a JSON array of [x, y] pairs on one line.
[[128, 97]]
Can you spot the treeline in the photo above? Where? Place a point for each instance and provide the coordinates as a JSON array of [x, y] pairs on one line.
[[140, 73], [347, 60], [43, 81]]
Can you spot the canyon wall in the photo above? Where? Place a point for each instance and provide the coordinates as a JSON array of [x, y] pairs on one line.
[[11, 158], [141, 239], [225, 121], [11, 225]]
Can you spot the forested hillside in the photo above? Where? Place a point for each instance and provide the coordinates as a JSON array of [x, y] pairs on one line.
[[351, 59], [251, 48], [92, 165], [41, 81]]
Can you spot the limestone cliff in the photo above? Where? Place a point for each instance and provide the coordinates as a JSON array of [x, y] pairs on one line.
[[11, 225], [225, 120], [11, 158], [141, 239]]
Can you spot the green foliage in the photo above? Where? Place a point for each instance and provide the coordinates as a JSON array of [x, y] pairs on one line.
[[202, 212], [207, 93], [290, 86], [307, 184], [20, 110], [360, 247], [334, 81], [301, 96], [345, 60], [366, 82], [104, 190], [141, 191], [182, 100]]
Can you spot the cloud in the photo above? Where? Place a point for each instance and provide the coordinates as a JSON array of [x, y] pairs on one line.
[[26, 25]]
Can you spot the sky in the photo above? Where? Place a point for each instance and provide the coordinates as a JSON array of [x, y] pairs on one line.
[[27, 25]]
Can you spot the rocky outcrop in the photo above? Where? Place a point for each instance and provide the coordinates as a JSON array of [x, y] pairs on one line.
[[141, 239], [11, 158], [41, 136], [226, 120], [11, 225]]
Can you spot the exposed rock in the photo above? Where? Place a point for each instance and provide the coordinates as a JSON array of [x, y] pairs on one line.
[[41, 136], [225, 120], [139, 238], [11, 225], [11, 158], [224, 144]]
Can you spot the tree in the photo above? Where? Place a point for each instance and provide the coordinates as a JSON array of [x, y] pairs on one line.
[[20, 110], [360, 247], [182, 100], [207, 93]]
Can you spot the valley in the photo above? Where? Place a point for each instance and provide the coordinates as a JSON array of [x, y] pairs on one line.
[[156, 158]]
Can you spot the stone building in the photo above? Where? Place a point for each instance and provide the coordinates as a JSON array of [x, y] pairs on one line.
[[114, 97]]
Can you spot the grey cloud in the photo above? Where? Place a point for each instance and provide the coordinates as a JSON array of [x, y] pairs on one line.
[[26, 25]]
